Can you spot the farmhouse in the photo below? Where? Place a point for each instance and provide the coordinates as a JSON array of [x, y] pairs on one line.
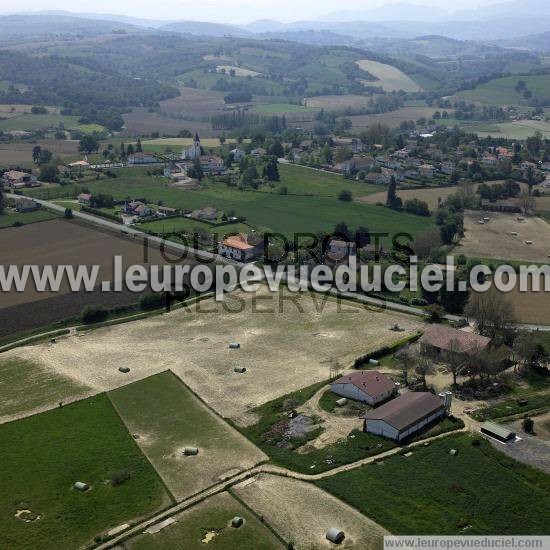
[[166, 211], [26, 205], [440, 338], [79, 165], [238, 154], [406, 414], [371, 387], [142, 158], [238, 247], [339, 250], [258, 152], [501, 205], [17, 179], [212, 164], [85, 199]]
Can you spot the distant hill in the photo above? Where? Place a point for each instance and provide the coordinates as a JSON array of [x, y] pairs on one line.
[[31, 26], [205, 29], [533, 42]]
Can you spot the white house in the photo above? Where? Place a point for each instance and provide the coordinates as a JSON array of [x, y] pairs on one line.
[[238, 248], [238, 154], [407, 414], [371, 387], [142, 158]]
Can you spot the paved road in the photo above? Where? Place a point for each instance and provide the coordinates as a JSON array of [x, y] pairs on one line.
[[209, 256]]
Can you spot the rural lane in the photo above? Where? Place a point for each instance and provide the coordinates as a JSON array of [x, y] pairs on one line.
[[211, 257]]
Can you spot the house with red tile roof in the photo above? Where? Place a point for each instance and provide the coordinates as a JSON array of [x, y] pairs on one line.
[[238, 247], [442, 338], [371, 387]]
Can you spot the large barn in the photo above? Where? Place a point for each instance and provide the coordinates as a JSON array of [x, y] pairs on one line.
[[443, 339], [371, 387], [407, 414]]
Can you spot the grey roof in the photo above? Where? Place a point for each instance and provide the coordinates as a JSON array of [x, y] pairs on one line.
[[407, 409], [497, 429]]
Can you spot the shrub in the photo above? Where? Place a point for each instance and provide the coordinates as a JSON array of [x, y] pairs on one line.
[[528, 425], [345, 195], [94, 314], [150, 302], [118, 478]]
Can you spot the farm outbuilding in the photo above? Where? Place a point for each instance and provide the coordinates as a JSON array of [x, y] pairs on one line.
[[443, 339], [497, 431], [407, 414], [371, 387]]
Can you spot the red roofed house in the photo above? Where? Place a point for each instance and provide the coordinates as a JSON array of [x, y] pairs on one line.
[[443, 339], [371, 387], [406, 414], [237, 247]]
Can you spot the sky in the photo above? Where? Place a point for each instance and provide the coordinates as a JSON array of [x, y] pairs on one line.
[[224, 11]]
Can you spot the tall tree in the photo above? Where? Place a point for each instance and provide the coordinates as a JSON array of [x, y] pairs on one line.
[[393, 201], [139, 148], [1, 198]]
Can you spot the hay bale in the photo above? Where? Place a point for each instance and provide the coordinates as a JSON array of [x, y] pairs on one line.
[[191, 451], [237, 522], [335, 535], [125, 370], [81, 486], [453, 452], [234, 345], [240, 370]]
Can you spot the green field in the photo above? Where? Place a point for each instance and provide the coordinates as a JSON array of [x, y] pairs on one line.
[[287, 214], [501, 91], [25, 386], [281, 108], [512, 130], [44, 455], [182, 224], [210, 516], [432, 492], [169, 418], [29, 122], [9, 217]]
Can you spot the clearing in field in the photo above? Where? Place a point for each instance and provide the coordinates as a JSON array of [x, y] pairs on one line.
[[209, 523], [287, 342], [239, 71], [278, 498], [390, 78], [497, 238], [45, 454], [26, 387], [521, 129], [168, 417], [435, 492], [336, 102]]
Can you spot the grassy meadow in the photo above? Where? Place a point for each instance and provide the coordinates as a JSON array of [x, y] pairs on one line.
[[44, 455], [320, 210], [433, 492]]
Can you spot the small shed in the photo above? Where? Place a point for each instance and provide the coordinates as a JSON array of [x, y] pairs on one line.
[[335, 535], [498, 431], [81, 486]]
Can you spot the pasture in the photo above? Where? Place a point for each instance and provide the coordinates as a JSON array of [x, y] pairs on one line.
[[390, 78], [168, 417], [432, 196], [502, 91], [11, 217], [479, 488], [310, 211], [209, 523], [521, 129], [287, 338], [270, 496], [337, 102], [494, 239], [280, 109], [45, 454], [29, 122], [141, 122], [26, 387], [392, 118], [188, 225]]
